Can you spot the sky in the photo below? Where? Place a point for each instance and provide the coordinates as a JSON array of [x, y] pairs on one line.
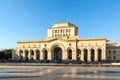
[[30, 19]]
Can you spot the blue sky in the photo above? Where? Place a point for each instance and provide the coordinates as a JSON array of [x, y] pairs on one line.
[[30, 19]]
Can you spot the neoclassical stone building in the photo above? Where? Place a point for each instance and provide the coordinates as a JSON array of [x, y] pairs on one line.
[[63, 43]]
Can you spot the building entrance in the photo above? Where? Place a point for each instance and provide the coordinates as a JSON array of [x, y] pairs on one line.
[[58, 53]]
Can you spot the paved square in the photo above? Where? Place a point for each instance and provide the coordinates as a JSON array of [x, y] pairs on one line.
[[58, 73]]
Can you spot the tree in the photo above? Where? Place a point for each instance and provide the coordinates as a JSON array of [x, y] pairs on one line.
[[6, 54], [2, 55]]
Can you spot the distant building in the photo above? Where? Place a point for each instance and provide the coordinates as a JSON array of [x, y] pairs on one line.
[[63, 43]]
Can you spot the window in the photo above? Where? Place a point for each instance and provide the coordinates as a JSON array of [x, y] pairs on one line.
[[45, 45], [55, 31], [114, 52], [66, 30], [109, 52], [61, 30], [69, 44], [109, 57], [69, 30], [68, 34], [114, 57]]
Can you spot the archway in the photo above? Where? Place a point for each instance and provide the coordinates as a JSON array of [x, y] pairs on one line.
[[92, 55], [45, 54], [99, 55], [78, 54], [54, 48], [69, 54], [85, 55], [26, 55], [58, 53], [31, 54], [21, 54], [37, 54]]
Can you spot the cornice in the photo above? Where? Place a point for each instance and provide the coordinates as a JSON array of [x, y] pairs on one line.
[[46, 40], [62, 39], [91, 39]]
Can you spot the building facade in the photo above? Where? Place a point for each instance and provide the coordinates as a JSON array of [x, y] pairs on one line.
[[63, 43]]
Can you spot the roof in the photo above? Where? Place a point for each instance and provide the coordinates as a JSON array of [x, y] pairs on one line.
[[60, 25]]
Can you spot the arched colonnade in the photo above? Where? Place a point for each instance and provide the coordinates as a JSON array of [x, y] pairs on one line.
[[57, 53]]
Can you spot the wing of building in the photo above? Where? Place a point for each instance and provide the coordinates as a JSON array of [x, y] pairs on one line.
[[63, 43]]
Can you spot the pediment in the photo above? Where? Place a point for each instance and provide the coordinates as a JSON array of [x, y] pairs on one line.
[[64, 39], [57, 39]]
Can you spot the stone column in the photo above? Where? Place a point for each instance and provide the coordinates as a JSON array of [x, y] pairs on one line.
[[18, 58], [49, 55], [89, 56], [23, 55], [29, 55], [34, 57], [82, 56], [96, 55], [52, 55], [103, 54], [41, 55], [64, 55], [74, 55]]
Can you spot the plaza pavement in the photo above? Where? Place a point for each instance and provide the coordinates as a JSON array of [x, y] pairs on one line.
[[58, 73]]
